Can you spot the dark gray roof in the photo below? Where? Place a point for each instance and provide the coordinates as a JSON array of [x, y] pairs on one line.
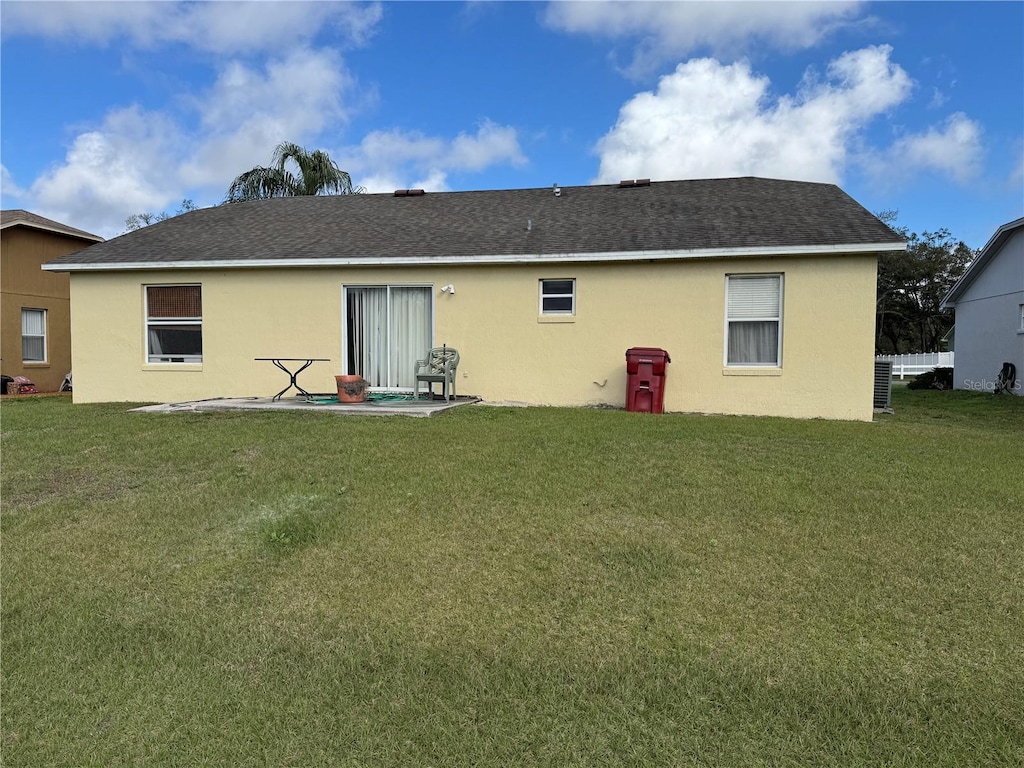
[[21, 217], [722, 214]]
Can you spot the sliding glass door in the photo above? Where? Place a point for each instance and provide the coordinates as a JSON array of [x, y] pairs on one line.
[[387, 329]]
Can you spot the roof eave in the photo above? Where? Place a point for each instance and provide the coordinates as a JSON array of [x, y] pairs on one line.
[[56, 230], [555, 258], [986, 255]]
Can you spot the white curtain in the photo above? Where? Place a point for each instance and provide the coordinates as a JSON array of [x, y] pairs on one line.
[[155, 347], [367, 326], [410, 333], [754, 343], [389, 330]]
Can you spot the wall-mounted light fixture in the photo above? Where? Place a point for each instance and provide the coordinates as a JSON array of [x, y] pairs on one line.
[[448, 289]]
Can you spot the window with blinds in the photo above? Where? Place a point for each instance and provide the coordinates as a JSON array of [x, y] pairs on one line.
[[753, 320], [33, 335], [174, 323]]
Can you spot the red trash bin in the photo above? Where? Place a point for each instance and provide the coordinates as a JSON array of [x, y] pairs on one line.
[[645, 382]]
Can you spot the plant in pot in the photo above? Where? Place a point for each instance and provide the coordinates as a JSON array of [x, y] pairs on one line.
[[351, 388]]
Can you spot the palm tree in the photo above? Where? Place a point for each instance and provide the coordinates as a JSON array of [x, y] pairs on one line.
[[316, 174]]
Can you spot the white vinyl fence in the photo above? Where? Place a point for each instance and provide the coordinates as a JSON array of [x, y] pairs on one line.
[[913, 365]]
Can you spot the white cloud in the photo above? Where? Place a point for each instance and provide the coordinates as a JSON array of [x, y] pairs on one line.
[[125, 166], [7, 185], [707, 119], [938, 98], [248, 112], [396, 148], [92, 22], [954, 149], [383, 182], [668, 30], [492, 143], [137, 161], [222, 27], [387, 160], [434, 181], [235, 26]]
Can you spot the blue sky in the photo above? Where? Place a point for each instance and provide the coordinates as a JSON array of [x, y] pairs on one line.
[[114, 108]]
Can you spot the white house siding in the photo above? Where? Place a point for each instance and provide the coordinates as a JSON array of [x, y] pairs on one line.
[[988, 320]]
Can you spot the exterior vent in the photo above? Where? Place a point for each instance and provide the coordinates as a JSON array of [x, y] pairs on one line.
[[634, 183], [409, 192], [883, 384]]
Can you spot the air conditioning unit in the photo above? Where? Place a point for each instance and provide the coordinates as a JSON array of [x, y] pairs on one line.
[[883, 384]]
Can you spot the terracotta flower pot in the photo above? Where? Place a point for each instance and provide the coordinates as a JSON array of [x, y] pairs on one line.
[[351, 389]]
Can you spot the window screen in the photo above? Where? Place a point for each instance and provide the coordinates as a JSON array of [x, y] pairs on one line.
[[174, 323], [754, 319], [33, 335], [558, 297]]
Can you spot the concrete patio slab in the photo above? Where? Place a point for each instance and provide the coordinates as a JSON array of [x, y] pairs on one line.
[[419, 408]]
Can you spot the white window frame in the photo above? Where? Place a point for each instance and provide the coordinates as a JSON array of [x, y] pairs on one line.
[[776, 318], [1020, 328], [543, 295], [25, 313], [167, 359], [347, 362]]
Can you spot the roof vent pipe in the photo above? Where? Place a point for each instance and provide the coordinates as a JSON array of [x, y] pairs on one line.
[[556, 189]]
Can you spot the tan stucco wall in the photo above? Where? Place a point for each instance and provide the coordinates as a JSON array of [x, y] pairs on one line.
[[23, 284], [509, 353]]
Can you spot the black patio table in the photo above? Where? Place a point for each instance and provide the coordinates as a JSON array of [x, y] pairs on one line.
[[280, 363]]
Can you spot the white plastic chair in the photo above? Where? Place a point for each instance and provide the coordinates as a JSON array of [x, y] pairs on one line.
[[439, 366]]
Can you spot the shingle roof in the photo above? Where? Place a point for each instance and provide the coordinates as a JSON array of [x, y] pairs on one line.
[[20, 217], [521, 224]]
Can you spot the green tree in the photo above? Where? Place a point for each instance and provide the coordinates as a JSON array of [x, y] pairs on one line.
[[140, 220], [911, 286], [293, 171]]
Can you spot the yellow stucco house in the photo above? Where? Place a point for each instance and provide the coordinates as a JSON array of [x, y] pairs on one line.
[[762, 291]]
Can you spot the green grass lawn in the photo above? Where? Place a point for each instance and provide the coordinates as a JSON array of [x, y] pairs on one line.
[[513, 587]]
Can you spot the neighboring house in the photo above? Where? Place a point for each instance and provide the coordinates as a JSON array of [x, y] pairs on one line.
[[36, 311], [989, 304], [762, 291]]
